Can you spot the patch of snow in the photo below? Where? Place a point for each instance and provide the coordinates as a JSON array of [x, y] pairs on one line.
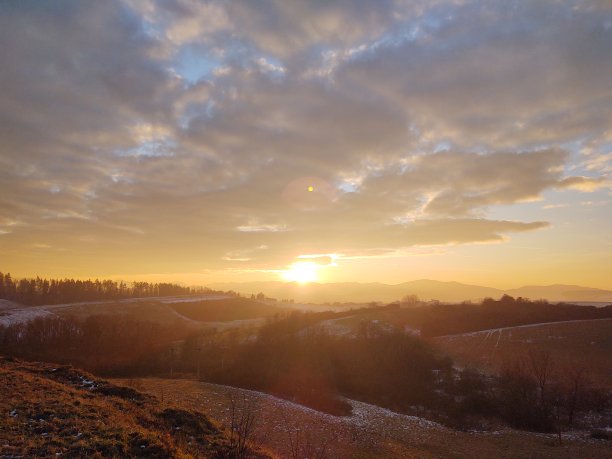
[[16, 313], [6, 304], [193, 299], [491, 331], [363, 414], [87, 383], [22, 315]]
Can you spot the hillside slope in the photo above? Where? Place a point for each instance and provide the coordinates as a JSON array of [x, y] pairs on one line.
[[425, 289], [227, 309], [560, 292], [51, 411], [370, 431], [583, 343]]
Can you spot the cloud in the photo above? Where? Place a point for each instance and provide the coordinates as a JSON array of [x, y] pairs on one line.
[[409, 120], [586, 184], [455, 184], [496, 75]]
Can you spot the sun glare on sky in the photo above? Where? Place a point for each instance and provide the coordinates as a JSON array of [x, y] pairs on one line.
[[302, 272]]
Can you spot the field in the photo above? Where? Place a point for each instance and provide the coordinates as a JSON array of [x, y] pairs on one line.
[[586, 343], [369, 432], [203, 311], [227, 309]]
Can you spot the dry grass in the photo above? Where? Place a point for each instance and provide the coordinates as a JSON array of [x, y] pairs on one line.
[[51, 411], [227, 309], [371, 432], [586, 343], [154, 311]]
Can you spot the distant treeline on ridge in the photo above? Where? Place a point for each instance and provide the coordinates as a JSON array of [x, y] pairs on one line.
[[56, 291]]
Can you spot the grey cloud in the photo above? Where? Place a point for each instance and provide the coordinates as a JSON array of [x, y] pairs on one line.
[[84, 82], [499, 75], [279, 28]]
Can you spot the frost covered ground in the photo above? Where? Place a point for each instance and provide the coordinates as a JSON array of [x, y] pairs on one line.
[[22, 315], [370, 431], [14, 313]]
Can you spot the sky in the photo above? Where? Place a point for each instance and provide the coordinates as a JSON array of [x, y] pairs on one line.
[[370, 141]]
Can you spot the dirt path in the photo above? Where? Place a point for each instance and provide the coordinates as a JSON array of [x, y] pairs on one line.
[[370, 431]]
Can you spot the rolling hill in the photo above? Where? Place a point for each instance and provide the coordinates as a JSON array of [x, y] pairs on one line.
[[583, 343], [227, 309], [560, 292], [424, 289]]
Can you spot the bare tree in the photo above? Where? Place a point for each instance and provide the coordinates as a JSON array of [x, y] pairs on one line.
[[576, 379], [557, 399], [303, 443], [541, 369], [242, 423], [409, 301]]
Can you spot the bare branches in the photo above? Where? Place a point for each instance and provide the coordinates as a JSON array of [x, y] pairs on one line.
[[243, 417], [303, 442]]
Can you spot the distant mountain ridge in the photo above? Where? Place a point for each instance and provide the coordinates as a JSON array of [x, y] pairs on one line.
[[425, 289]]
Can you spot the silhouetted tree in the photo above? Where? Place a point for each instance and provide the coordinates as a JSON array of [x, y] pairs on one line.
[[44, 291]]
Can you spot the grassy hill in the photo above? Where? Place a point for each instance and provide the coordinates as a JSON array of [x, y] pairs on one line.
[[560, 292], [587, 343], [226, 309], [51, 411]]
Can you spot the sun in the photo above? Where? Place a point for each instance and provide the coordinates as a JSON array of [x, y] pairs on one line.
[[302, 272]]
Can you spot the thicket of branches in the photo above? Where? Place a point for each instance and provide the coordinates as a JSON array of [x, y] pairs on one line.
[[534, 393], [38, 291], [394, 370], [103, 344]]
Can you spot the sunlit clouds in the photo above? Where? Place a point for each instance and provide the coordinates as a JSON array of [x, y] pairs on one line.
[[229, 140]]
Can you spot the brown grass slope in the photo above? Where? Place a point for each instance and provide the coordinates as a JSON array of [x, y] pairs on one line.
[[226, 309], [586, 343], [58, 411]]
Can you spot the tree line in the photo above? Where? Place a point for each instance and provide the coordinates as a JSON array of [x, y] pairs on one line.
[[39, 291], [448, 319], [102, 344]]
